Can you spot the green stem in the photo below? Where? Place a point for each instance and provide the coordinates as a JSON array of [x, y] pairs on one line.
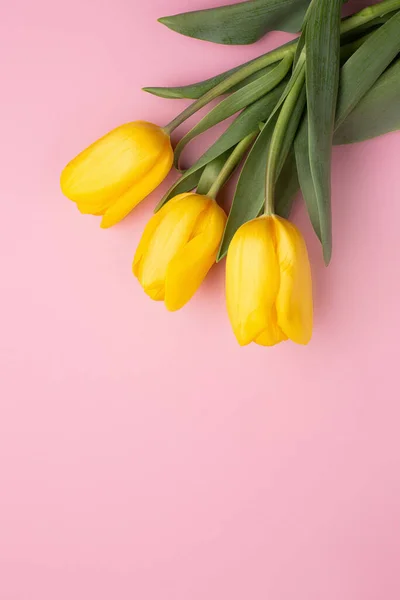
[[231, 164], [277, 139]]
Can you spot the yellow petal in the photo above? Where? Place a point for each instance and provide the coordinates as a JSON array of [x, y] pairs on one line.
[[252, 283], [294, 300], [274, 335], [139, 190], [150, 229], [108, 167], [89, 208], [170, 231], [190, 265]]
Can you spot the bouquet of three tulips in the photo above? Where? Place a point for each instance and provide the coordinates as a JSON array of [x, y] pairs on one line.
[[336, 83]]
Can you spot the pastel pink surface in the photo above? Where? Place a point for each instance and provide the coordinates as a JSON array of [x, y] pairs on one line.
[[145, 454]]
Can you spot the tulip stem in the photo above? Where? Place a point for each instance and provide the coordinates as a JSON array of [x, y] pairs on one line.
[[231, 164], [277, 140]]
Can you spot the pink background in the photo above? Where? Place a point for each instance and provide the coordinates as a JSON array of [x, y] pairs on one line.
[[145, 455]]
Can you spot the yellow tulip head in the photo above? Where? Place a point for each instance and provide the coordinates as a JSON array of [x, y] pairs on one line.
[[178, 247], [119, 170], [268, 283]]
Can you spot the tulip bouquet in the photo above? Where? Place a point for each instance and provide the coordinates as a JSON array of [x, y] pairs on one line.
[[337, 83]]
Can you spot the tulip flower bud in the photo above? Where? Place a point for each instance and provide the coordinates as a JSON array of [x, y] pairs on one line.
[[115, 173], [178, 248], [268, 283]]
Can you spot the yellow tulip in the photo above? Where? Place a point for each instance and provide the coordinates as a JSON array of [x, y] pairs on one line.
[[268, 283], [178, 247], [119, 170]]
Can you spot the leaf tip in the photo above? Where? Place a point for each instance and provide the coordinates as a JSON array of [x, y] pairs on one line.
[[167, 21], [327, 254], [159, 205], [221, 252], [157, 91]]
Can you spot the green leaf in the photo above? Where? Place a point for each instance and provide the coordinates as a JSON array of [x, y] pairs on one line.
[[365, 66], [377, 112], [185, 183], [242, 23], [249, 197], [305, 177], [235, 102], [322, 79], [246, 122], [196, 90], [287, 187], [211, 172]]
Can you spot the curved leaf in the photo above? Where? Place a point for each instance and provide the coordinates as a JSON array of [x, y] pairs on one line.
[[365, 66], [194, 91], [242, 23], [377, 112]]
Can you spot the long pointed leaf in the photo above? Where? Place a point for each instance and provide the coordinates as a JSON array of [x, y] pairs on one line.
[[377, 112], [305, 177], [195, 90], [287, 187], [242, 23], [322, 77], [365, 66], [373, 113]]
